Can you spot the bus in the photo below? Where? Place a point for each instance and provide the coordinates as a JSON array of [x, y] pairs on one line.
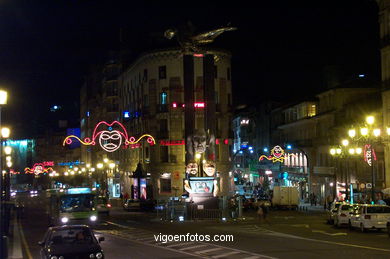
[[72, 206]]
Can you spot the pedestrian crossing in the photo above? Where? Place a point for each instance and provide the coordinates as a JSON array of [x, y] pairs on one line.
[[195, 248]]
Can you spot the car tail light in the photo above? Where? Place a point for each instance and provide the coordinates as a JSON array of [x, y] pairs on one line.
[[108, 205], [367, 217], [342, 215]]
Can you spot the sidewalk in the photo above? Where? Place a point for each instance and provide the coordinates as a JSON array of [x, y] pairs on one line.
[[15, 240]]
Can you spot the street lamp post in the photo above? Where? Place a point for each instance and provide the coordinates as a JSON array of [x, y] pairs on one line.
[[99, 166], [3, 243], [342, 154], [370, 134]]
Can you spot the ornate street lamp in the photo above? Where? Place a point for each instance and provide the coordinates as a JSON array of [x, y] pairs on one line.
[[370, 134]]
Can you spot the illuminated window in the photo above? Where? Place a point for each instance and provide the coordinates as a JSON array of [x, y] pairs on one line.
[[311, 110]]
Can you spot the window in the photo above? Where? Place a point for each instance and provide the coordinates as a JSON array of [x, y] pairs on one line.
[[163, 98], [145, 75], [163, 125], [165, 184], [162, 72], [146, 100], [228, 73], [147, 154], [164, 154]]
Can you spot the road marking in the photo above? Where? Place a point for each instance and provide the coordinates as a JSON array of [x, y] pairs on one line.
[[301, 225], [171, 247], [162, 247], [180, 244], [209, 250], [330, 234], [225, 254], [192, 247], [287, 217], [327, 242], [26, 248], [146, 239]]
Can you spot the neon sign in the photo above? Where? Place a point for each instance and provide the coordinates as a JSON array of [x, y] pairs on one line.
[[369, 152], [277, 155], [110, 136], [39, 168], [172, 142]]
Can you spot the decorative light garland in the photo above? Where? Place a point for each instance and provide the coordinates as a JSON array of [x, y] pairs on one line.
[[110, 140], [277, 155], [38, 168]]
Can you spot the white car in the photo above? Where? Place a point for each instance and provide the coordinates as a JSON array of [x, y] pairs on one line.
[[343, 214], [332, 211], [370, 217]]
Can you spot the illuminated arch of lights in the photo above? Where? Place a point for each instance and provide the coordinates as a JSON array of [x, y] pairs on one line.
[[277, 155], [110, 139], [38, 168]]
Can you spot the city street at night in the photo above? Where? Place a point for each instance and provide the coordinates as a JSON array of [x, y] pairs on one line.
[[285, 234], [155, 129]]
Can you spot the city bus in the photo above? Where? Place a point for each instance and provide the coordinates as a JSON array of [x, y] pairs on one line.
[[72, 206]]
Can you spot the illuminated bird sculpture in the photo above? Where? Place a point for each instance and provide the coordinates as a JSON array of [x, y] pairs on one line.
[[190, 42]]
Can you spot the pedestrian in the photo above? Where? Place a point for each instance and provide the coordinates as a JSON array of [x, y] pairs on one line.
[[264, 207], [314, 199], [311, 199], [260, 213]]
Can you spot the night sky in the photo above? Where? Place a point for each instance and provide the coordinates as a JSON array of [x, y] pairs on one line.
[[279, 50]]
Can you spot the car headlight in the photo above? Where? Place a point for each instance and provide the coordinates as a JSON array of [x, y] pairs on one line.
[[64, 219], [53, 257], [93, 218], [99, 255], [91, 256]]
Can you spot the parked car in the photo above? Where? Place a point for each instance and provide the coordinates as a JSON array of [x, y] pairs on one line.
[[343, 214], [131, 205], [369, 216], [103, 205], [71, 241], [332, 211]]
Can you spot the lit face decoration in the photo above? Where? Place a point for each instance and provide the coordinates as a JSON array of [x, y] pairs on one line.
[[277, 155], [38, 169], [199, 142], [110, 136], [209, 168], [192, 168], [110, 140], [277, 152]]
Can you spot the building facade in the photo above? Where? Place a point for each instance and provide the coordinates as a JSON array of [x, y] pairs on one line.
[[384, 22], [151, 101]]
